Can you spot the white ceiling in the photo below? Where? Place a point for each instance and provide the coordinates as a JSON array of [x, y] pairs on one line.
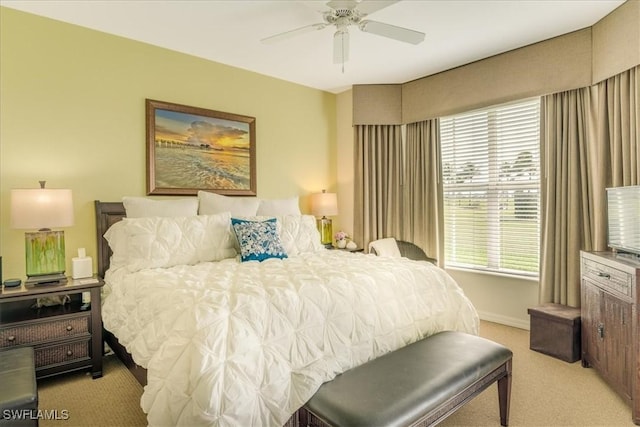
[[229, 32]]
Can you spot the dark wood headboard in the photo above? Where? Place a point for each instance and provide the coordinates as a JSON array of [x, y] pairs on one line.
[[107, 214]]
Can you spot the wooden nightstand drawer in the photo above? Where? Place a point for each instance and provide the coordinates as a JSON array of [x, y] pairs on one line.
[[607, 277], [44, 331], [61, 353]]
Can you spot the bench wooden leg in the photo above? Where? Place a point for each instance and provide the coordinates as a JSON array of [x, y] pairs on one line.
[[504, 395]]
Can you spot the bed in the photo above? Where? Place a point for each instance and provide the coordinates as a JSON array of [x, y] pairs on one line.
[[225, 342]]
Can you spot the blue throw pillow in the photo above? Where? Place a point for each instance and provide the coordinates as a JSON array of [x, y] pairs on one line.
[[258, 240]]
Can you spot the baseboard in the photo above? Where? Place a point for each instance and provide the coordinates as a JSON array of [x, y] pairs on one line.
[[504, 320]]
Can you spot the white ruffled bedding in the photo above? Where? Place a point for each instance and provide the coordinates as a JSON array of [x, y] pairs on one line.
[[246, 344]]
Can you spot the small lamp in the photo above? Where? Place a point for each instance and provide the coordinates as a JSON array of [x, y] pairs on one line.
[[323, 205], [43, 209]]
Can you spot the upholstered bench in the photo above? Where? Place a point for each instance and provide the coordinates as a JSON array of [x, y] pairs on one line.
[[18, 389], [420, 384]]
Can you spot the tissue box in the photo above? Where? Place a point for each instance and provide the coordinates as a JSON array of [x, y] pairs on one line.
[[81, 268]]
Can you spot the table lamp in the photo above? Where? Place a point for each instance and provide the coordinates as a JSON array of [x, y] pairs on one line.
[[323, 205], [43, 209]]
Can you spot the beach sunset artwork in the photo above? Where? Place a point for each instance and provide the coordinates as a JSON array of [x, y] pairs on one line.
[[191, 149]]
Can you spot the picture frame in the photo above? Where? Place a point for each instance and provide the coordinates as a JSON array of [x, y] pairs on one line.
[[191, 149]]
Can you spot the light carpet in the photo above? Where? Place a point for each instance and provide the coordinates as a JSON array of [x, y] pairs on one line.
[[545, 392]]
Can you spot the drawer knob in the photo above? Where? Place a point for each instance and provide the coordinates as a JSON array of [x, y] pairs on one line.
[[604, 275], [69, 327], [11, 338], [69, 353]]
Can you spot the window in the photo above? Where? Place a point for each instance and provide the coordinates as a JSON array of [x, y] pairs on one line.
[[491, 182]]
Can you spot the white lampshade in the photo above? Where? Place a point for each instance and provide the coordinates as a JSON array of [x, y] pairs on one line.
[[324, 204], [35, 209]]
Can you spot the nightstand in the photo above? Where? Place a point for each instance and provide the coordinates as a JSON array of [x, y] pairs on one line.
[[66, 337]]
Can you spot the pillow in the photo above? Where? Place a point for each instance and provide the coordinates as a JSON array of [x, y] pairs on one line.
[[157, 242], [386, 247], [299, 234], [275, 207], [116, 236], [211, 203], [258, 240], [141, 207]]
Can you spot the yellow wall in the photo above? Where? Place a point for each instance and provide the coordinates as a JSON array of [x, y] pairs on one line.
[[345, 157], [72, 113]]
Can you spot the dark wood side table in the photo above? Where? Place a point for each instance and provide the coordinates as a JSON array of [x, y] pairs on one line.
[[65, 337], [611, 322]]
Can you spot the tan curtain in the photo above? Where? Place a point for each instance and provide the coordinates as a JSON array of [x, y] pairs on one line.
[[590, 141], [564, 194], [616, 103], [619, 113], [378, 176], [423, 207]]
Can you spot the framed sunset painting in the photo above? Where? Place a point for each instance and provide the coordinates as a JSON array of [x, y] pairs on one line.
[[191, 149]]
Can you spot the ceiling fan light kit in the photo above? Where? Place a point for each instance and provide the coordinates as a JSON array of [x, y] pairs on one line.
[[345, 13]]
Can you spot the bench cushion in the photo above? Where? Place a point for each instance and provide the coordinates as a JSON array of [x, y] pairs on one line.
[[18, 390], [402, 386], [18, 379]]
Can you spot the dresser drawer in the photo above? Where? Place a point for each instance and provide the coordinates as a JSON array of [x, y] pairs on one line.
[[61, 353], [607, 277], [43, 331]]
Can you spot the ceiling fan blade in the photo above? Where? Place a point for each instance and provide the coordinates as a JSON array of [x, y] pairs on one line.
[[292, 33], [370, 6], [391, 31], [340, 47]]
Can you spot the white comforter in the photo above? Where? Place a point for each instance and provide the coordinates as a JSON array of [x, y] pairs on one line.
[[241, 344]]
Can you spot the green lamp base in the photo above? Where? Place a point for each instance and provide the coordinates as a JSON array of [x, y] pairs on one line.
[[45, 256], [326, 231]]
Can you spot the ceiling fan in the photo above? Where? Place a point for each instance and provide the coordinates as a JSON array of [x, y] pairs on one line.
[[346, 13]]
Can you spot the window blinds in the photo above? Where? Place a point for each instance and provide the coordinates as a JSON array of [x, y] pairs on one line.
[[491, 183]]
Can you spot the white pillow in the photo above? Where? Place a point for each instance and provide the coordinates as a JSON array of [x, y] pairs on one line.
[[387, 247], [141, 207], [299, 234], [211, 203], [274, 207], [159, 242], [116, 236]]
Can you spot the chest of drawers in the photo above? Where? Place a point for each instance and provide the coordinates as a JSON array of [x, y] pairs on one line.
[[64, 337], [610, 322]]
